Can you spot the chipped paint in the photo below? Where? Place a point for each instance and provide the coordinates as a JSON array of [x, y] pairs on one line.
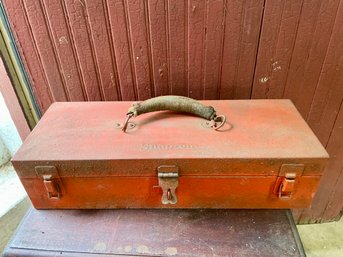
[[276, 66], [264, 79], [100, 246], [142, 249], [63, 40], [170, 251], [128, 248]]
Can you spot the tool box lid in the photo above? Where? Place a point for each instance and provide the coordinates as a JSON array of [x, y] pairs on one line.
[[255, 129]]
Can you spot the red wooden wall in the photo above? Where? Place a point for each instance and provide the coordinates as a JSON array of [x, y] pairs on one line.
[[82, 50]]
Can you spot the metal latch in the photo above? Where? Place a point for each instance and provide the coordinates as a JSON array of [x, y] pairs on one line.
[[51, 187], [286, 187], [168, 180], [52, 181], [285, 183]]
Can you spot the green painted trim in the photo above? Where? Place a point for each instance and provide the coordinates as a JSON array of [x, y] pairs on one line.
[[16, 83], [16, 71]]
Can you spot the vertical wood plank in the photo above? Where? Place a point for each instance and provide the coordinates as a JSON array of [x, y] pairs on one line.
[[278, 35], [329, 182], [80, 32], [28, 51], [242, 29], [326, 119], [315, 28], [232, 31], [213, 48], [196, 38], [334, 206], [64, 49], [103, 50], [248, 49], [333, 211], [140, 48], [120, 38], [329, 91], [45, 49], [177, 23], [158, 34]]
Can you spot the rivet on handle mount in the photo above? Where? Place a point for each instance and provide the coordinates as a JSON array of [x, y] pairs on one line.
[[177, 104]]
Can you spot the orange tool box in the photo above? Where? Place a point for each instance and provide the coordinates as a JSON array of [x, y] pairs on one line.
[[263, 156]]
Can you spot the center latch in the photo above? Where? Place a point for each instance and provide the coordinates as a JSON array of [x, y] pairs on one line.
[[168, 180]]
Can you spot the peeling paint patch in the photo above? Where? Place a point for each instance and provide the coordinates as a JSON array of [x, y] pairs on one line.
[[170, 251], [63, 40], [275, 66], [160, 71], [142, 249], [128, 248], [263, 80], [100, 246]]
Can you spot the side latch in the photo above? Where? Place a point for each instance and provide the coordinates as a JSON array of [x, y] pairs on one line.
[[168, 180], [51, 180], [285, 183], [286, 187]]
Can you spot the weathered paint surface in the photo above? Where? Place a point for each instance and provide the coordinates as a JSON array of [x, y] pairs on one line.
[[132, 50], [300, 58], [170, 233], [238, 166]]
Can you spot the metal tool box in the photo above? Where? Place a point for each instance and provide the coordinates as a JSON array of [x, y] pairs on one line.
[[264, 156]]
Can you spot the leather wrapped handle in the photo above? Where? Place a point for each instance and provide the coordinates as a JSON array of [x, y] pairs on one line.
[[173, 103], [176, 104]]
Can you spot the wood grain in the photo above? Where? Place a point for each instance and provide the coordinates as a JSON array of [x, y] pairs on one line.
[[64, 49], [133, 50], [136, 12], [102, 49], [177, 27], [214, 19], [28, 51], [78, 22], [122, 50], [278, 35], [326, 119], [314, 33], [157, 20], [242, 29], [46, 49], [196, 43], [334, 206]]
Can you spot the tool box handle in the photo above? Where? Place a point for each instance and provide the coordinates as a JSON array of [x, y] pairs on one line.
[[177, 104]]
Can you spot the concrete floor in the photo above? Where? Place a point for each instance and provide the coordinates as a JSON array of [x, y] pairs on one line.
[[319, 240], [11, 190], [323, 240]]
